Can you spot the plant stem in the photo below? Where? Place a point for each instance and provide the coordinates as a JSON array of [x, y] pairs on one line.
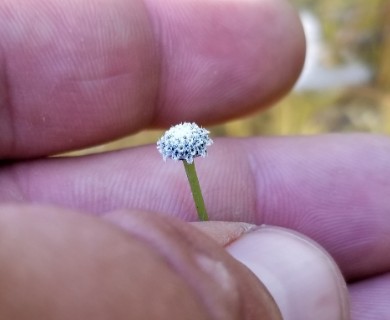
[[195, 189]]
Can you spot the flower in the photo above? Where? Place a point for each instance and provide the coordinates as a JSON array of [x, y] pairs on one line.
[[184, 141]]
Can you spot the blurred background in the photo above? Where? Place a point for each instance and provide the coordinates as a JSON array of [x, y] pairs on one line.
[[345, 84]]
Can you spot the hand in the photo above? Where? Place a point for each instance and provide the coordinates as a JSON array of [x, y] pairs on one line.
[[74, 74]]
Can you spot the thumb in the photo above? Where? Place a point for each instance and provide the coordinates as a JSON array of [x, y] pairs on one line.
[[61, 264], [302, 278], [224, 288]]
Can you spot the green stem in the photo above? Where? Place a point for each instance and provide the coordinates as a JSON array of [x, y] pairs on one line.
[[195, 189]]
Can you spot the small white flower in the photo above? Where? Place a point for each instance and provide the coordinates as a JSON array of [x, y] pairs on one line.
[[184, 141]]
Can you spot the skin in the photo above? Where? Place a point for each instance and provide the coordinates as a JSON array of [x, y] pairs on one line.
[[115, 273], [73, 74]]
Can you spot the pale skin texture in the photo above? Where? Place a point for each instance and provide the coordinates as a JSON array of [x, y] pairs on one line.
[[77, 73]]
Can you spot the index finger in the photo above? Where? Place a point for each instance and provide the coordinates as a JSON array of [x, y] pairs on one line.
[[76, 73], [333, 189]]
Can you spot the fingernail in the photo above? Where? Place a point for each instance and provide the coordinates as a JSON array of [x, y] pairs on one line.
[[301, 276], [223, 232]]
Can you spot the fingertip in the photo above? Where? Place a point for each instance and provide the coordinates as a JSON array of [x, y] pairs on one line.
[[302, 278], [237, 56], [227, 289]]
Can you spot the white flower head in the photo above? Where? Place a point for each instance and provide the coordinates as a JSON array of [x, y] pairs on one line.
[[184, 141]]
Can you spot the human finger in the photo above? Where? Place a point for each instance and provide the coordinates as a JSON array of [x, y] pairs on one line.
[[332, 188], [303, 279], [60, 264], [77, 73], [370, 298]]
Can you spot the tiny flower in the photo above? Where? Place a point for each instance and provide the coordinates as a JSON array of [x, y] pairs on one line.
[[187, 141], [184, 141]]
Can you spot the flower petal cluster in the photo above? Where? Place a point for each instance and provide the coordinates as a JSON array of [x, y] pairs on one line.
[[184, 141]]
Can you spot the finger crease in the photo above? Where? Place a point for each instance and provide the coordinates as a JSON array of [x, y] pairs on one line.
[[156, 27], [8, 127]]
